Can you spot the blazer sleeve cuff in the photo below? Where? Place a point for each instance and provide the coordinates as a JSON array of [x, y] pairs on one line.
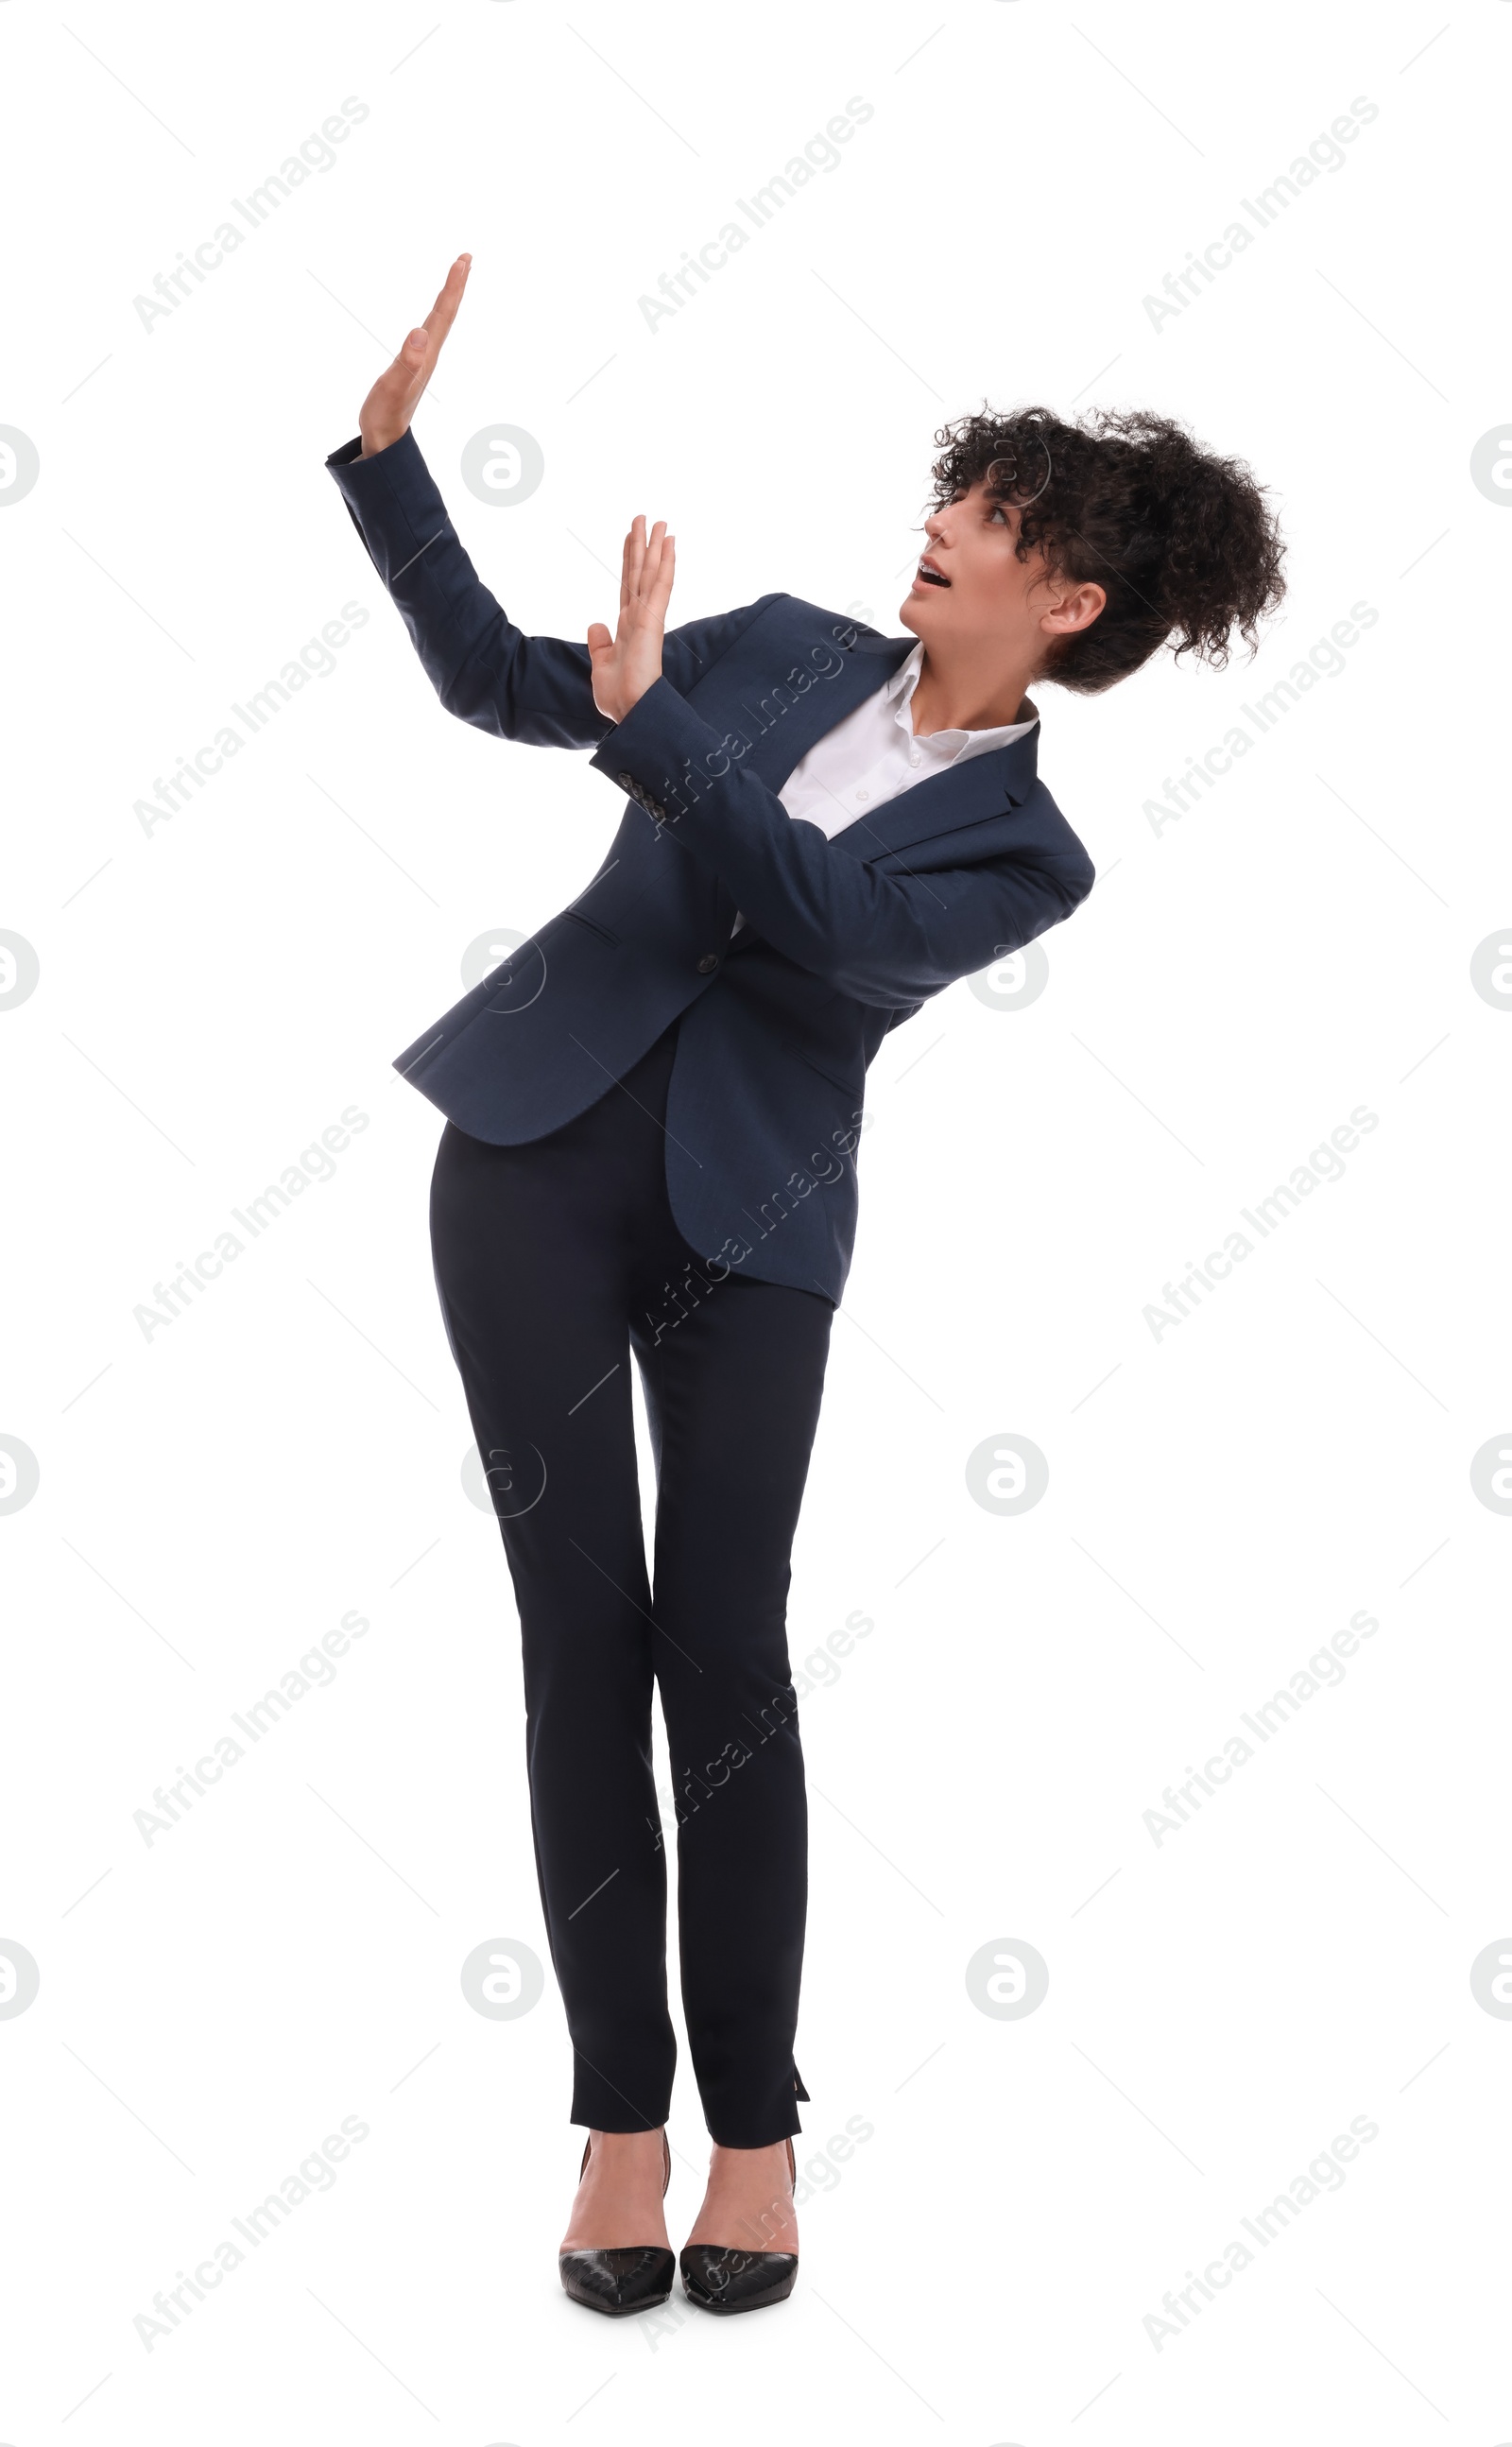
[[651, 754], [392, 501]]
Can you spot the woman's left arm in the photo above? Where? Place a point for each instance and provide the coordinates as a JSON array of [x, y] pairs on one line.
[[883, 937]]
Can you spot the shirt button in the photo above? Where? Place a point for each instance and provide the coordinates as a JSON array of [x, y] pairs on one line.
[[861, 797], [708, 964], [913, 755]]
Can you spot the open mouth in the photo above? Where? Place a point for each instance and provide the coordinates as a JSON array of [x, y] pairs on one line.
[[930, 575]]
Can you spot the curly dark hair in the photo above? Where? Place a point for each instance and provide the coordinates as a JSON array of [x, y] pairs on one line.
[[1184, 541]]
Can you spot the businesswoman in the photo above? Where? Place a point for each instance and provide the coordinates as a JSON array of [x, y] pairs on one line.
[[653, 1113]]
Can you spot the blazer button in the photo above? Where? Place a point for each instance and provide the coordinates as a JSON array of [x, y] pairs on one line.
[[708, 964], [625, 781]]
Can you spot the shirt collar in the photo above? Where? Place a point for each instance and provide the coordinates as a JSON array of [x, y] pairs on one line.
[[950, 745]]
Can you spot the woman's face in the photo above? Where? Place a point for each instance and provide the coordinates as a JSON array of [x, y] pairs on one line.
[[971, 589]]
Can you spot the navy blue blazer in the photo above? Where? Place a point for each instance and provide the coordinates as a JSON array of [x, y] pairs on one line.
[[845, 936]]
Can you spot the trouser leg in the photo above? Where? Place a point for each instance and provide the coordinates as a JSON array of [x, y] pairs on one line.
[[732, 1393], [529, 1253]]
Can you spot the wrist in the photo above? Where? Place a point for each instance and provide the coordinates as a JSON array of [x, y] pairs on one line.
[[618, 706]]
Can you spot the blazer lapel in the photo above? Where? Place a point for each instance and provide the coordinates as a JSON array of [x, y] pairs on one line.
[[756, 693], [784, 685], [963, 794]]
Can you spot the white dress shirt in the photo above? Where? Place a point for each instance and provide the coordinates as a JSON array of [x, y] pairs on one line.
[[873, 755]]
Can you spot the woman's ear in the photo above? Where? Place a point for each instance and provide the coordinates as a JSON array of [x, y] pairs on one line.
[[1077, 603]]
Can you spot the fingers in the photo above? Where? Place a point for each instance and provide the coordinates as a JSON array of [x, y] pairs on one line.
[[416, 360], [650, 559], [444, 313], [630, 564], [388, 409], [666, 572], [410, 358], [642, 554], [655, 578], [627, 664], [389, 405], [647, 567], [640, 548]]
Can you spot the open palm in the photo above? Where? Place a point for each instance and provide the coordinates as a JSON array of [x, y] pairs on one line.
[[626, 664], [392, 403]]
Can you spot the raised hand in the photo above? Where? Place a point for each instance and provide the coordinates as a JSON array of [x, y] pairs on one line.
[[394, 397], [625, 665]]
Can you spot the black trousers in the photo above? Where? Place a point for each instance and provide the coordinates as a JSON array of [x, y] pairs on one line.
[[555, 1262]]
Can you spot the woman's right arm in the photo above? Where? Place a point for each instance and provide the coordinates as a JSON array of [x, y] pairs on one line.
[[484, 669]]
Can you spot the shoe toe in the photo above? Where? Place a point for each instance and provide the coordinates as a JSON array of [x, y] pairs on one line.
[[720, 2279], [617, 2282]]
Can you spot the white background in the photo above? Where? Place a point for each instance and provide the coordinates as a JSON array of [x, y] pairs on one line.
[[215, 991]]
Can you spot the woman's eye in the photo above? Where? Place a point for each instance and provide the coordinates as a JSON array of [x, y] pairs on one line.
[[998, 512]]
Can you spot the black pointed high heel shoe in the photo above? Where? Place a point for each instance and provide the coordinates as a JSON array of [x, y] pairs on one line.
[[634, 2277], [719, 2278]]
